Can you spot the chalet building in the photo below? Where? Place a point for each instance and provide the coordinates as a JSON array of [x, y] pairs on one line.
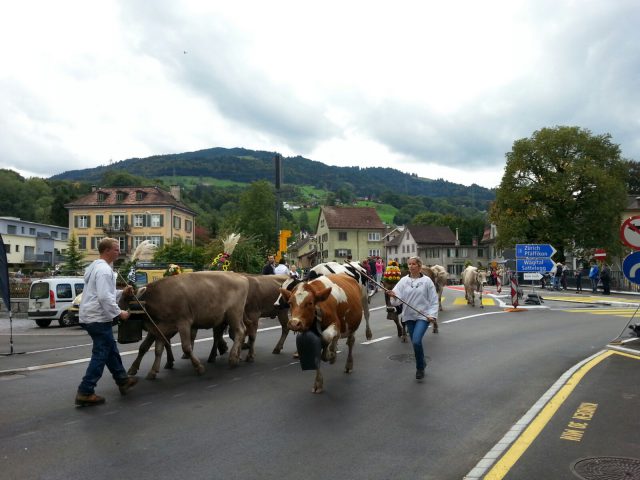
[[31, 244], [344, 232], [131, 215], [303, 252], [438, 246]]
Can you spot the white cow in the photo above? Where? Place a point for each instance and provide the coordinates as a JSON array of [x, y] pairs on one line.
[[473, 280]]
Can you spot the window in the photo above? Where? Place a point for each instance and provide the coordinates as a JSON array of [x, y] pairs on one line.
[[82, 243], [157, 220], [156, 240], [119, 221], [432, 253], [139, 196], [395, 250], [120, 196], [342, 236], [188, 226], [342, 252], [64, 236], [102, 197], [374, 236], [481, 252], [123, 244], [99, 220], [325, 237], [32, 231], [11, 229], [138, 220], [455, 269], [82, 221], [95, 241], [374, 252], [63, 290], [413, 248], [177, 221], [54, 234], [322, 222], [22, 230], [17, 248]]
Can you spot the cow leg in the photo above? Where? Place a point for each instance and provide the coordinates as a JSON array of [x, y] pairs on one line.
[[194, 333], [252, 331], [330, 337], [144, 348], [186, 341], [155, 368], [237, 326], [365, 310], [218, 342], [318, 384], [283, 318], [351, 339]]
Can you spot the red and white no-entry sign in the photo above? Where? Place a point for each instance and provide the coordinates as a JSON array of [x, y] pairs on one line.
[[630, 232], [600, 254]]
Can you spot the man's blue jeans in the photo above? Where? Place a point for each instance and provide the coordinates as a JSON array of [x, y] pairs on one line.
[[105, 352], [417, 330]]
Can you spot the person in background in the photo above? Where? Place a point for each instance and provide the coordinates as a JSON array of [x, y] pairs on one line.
[[605, 276], [558, 276], [594, 276], [418, 291], [578, 275], [98, 309], [281, 268], [379, 269], [563, 277], [293, 271], [269, 268]]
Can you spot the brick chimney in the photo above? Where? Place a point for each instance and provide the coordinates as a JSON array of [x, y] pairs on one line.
[[175, 191]]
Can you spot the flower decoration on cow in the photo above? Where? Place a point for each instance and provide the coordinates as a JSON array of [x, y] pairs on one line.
[[392, 272], [222, 261], [173, 269]]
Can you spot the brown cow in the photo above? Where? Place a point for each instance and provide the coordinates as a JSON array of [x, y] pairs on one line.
[[334, 300], [183, 303]]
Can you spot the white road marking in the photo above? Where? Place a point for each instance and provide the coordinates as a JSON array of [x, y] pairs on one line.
[[374, 340]]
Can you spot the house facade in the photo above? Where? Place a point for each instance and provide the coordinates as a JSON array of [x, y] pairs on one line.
[[31, 244], [348, 232], [303, 251], [131, 215]]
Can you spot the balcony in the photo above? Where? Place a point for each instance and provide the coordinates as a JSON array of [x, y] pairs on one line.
[[109, 229]]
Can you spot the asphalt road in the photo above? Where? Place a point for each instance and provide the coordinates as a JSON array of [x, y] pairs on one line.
[[487, 367]]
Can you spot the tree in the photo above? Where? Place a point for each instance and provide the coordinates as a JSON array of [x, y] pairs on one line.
[[257, 213], [562, 186], [73, 258], [179, 252], [633, 187]]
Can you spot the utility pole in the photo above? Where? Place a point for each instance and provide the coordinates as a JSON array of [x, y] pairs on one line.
[[278, 166]]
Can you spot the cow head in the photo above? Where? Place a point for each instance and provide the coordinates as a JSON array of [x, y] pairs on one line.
[[303, 300]]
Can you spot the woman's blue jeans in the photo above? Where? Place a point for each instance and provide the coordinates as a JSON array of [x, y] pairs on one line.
[[104, 352], [417, 330]]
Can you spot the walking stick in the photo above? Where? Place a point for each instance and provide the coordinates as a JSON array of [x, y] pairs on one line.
[[434, 320]]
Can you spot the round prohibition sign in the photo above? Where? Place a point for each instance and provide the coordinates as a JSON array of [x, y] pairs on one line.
[[630, 232]]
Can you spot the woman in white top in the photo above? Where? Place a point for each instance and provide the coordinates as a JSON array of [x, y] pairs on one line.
[[418, 291]]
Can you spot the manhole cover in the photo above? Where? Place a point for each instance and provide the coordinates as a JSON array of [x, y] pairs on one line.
[[607, 468], [403, 358]]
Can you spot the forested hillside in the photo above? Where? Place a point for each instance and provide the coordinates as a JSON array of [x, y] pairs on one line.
[[242, 165]]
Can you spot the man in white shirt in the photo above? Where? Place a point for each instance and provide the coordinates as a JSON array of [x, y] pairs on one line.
[[98, 309]]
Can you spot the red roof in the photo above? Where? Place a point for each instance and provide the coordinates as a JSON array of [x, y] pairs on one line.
[[129, 197], [352, 217]]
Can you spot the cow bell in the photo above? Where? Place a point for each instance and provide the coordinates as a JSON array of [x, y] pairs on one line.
[[309, 345]]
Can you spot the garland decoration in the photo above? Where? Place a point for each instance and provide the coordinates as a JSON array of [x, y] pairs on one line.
[[172, 269], [222, 262], [392, 272]]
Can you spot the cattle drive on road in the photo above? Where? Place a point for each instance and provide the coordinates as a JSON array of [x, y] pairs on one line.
[[474, 280]]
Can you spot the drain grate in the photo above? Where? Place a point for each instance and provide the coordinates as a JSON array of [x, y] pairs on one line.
[[607, 468]]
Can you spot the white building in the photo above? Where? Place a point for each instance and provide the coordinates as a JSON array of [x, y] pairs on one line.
[[33, 244]]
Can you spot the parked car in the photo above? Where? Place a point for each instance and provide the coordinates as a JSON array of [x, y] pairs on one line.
[[50, 299]]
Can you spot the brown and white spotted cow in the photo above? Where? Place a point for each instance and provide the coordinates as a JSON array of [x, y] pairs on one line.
[[333, 301]]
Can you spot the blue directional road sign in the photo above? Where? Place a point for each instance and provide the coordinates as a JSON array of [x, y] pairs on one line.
[[534, 250], [631, 267], [539, 265]]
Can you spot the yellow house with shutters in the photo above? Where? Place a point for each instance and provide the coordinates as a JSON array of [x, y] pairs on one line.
[[131, 215]]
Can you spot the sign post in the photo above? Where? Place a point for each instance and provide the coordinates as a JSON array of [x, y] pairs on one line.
[[534, 259], [630, 232]]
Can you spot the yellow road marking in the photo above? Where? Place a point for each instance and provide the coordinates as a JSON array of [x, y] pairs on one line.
[[485, 301], [502, 467]]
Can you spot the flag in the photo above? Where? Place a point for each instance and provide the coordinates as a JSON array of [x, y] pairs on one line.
[[4, 276]]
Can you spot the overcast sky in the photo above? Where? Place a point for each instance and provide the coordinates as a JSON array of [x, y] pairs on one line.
[[440, 89]]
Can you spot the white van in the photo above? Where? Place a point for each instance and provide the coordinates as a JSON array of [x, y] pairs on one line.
[[50, 298]]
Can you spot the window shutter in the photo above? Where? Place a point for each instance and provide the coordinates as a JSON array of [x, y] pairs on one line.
[[88, 221], [93, 243], [147, 221], [75, 221], [162, 220], [110, 220]]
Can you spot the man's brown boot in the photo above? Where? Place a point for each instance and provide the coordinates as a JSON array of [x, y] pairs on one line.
[[83, 400], [128, 383]]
